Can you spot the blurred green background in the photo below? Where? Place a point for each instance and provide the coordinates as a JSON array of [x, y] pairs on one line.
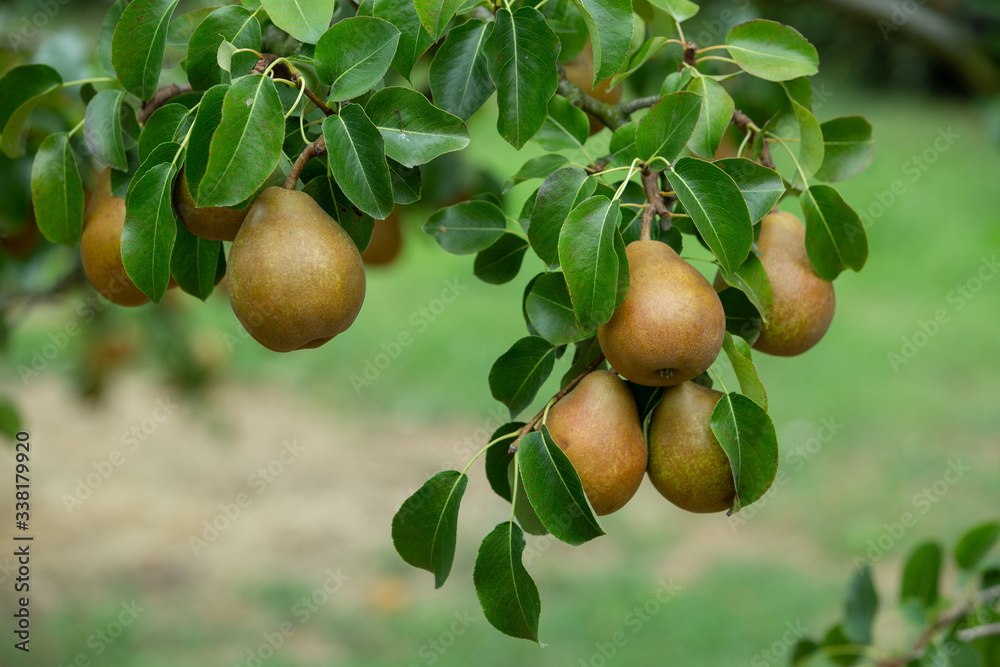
[[307, 566]]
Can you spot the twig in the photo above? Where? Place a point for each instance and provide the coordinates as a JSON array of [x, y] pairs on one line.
[[159, 98], [978, 632], [745, 125], [555, 399], [612, 115], [315, 149]]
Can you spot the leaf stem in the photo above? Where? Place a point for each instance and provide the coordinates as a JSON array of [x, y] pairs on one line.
[[76, 128], [716, 47], [80, 82], [302, 90], [802, 174], [719, 58], [555, 399], [481, 451], [315, 149], [721, 383], [621, 188]]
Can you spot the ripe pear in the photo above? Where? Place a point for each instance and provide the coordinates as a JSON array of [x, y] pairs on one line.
[[296, 278], [597, 426], [803, 303], [671, 325], [385, 243], [686, 463], [214, 223], [580, 71], [101, 246]]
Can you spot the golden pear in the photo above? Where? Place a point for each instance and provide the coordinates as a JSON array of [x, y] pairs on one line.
[[214, 223], [385, 243], [580, 71], [597, 426], [671, 325], [686, 463], [804, 303], [295, 277], [101, 246]]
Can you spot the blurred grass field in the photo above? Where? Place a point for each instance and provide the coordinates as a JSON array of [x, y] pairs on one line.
[[896, 432]]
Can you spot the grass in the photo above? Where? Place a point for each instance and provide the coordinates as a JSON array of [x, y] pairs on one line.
[[897, 431]]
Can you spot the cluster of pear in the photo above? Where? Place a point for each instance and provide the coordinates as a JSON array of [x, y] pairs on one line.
[[295, 277], [667, 331]]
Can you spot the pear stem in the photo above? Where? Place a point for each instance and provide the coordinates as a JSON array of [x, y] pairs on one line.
[[657, 205], [315, 149], [527, 428]]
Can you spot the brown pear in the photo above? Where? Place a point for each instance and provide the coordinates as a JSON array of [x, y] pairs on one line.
[[385, 243], [213, 223], [580, 71], [295, 277], [803, 302], [671, 324], [686, 463], [597, 426], [101, 246]]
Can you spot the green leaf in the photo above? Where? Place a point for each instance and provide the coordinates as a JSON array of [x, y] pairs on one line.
[[742, 318], [681, 10], [921, 574], [648, 51], [102, 128], [179, 34], [589, 260], [467, 227], [835, 236], [205, 123], [772, 51], [305, 20], [357, 161], [521, 57], [167, 124], [57, 191], [714, 201], [761, 187], [246, 146], [537, 167], [138, 44], [610, 25], [834, 643], [425, 529], [525, 514], [665, 130], [561, 191], [435, 15], [550, 310], [565, 128], [406, 182], [232, 24], [555, 490], [804, 649], [359, 226], [622, 149], [415, 131], [150, 230], [752, 280], [811, 146], [10, 418], [624, 278], [459, 78], [501, 262], [738, 352], [747, 436], [413, 39], [506, 591], [849, 148], [519, 373], [23, 88], [354, 55], [499, 458], [194, 263], [975, 544], [111, 18], [716, 113], [860, 608]]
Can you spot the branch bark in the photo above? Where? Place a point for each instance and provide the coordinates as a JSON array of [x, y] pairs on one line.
[[159, 98], [612, 115]]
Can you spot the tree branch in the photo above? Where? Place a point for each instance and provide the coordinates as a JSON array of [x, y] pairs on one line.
[[159, 98], [527, 428], [612, 115], [315, 149]]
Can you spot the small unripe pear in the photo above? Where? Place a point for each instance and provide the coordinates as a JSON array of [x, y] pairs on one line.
[[687, 465], [101, 246], [213, 223], [671, 324], [597, 426], [295, 277], [385, 243]]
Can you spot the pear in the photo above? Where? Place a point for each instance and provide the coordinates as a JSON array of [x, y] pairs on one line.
[[670, 326], [686, 463], [580, 71], [101, 246], [385, 243], [803, 303], [295, 276], [214, 223], [597, 426]]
